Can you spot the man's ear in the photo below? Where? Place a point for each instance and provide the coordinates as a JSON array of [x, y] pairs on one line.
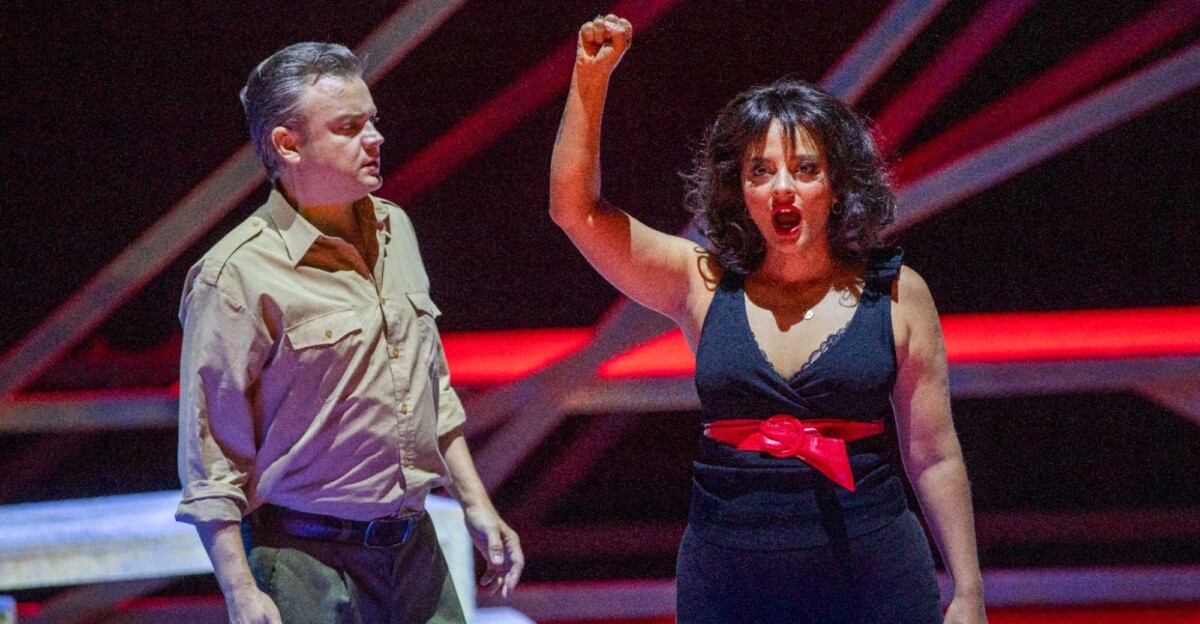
[[285, 140]]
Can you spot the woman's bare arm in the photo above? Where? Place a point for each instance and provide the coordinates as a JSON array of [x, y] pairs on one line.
[[653, 268], [929, 445]]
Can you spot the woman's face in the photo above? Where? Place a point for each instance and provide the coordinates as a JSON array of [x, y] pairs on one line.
[[787, 192]]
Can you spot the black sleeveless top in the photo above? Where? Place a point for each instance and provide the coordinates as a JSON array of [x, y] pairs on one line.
[[752, 500]]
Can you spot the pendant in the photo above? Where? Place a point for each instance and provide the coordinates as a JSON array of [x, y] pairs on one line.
[[808, 314]]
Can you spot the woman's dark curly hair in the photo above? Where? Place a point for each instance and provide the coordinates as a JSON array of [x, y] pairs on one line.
[[864, 203]]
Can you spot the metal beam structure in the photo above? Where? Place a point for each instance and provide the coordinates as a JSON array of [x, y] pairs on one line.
[[92, 603], [1180, 394], [951, 65], [528, 410], [1048, 137], [189, 219], [1003, 588], [1072, 78], [995, 530], [1171, 381], [875, 51], [528, 93]]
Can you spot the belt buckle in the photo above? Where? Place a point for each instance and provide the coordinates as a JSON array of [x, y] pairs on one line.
[[378, 533]]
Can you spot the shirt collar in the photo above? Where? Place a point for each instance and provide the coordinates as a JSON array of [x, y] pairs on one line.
[[297, 232]]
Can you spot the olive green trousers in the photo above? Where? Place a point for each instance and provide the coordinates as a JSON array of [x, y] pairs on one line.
[[331, 582]]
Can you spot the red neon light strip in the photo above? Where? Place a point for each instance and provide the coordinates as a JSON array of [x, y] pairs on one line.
[[1052, 88], [480, 358], [990, 338], [665, 356], [504, 356], [1072, 335], [529, 92], [940, 77]]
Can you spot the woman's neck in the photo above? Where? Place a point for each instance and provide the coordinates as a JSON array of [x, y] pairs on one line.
[[799, 269]]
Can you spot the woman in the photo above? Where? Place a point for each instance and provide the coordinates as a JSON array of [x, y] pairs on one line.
[[806, 333]]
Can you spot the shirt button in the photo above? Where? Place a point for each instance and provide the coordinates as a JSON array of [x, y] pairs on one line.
[[383, 301], [328, 334], [404, 408], [395, 353]]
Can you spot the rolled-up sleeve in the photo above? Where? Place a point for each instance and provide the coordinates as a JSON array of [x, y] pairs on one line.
[[450, 414], [224, 347]]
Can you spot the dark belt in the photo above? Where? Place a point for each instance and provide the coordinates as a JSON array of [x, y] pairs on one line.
[[378, 533]]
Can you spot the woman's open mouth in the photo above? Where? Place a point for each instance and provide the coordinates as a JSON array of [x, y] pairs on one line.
[[786, 219]]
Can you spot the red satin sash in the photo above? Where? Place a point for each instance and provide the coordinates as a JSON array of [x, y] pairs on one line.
[[820, 442]]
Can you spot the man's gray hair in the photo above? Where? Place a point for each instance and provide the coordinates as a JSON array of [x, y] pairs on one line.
[[271, 97]]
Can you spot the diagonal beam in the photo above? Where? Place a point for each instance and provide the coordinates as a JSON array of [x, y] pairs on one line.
[[940, 77], [528, 93], [1053, 135], [1180, 395], [570, 465], [92, 603], [1056, 86], [534, 404], [875, 51], [189, 219]]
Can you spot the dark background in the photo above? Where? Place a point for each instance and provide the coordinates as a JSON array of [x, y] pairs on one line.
[[111, 113]]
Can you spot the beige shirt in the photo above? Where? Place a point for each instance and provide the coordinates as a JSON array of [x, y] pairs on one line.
[[306, 380]]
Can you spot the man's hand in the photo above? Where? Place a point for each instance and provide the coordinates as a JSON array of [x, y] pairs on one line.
[[966, 610], [249, 605], [602, 43], [493, 538], [246, 603], [499, 545]]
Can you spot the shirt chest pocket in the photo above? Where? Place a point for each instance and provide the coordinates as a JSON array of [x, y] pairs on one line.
[[423, 336], [324, 330], [423, 305], [326, 357]]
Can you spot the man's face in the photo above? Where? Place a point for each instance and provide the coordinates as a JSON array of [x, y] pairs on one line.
[[338, 146]]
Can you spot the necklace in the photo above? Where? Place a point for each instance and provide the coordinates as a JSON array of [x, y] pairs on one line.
[[809, 314], [810, 311]]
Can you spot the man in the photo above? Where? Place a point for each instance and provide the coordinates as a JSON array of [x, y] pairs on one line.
[[315, 406]]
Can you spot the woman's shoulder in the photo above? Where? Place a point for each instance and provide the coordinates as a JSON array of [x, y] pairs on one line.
[[911, 296], [884, 263], [707, 278]]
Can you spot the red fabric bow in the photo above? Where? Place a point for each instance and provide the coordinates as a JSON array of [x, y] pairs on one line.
[[820, 442]]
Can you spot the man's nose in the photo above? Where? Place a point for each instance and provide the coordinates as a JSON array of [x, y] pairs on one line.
[[372, 136]]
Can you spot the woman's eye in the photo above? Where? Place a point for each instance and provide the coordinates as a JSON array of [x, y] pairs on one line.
[[807, 169]]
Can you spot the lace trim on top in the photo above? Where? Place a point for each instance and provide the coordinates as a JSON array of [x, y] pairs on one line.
[[813, 357]]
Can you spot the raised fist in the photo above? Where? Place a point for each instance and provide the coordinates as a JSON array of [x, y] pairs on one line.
[[602, 43]]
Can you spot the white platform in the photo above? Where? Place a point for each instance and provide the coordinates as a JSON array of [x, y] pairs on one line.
[[135, 536]]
